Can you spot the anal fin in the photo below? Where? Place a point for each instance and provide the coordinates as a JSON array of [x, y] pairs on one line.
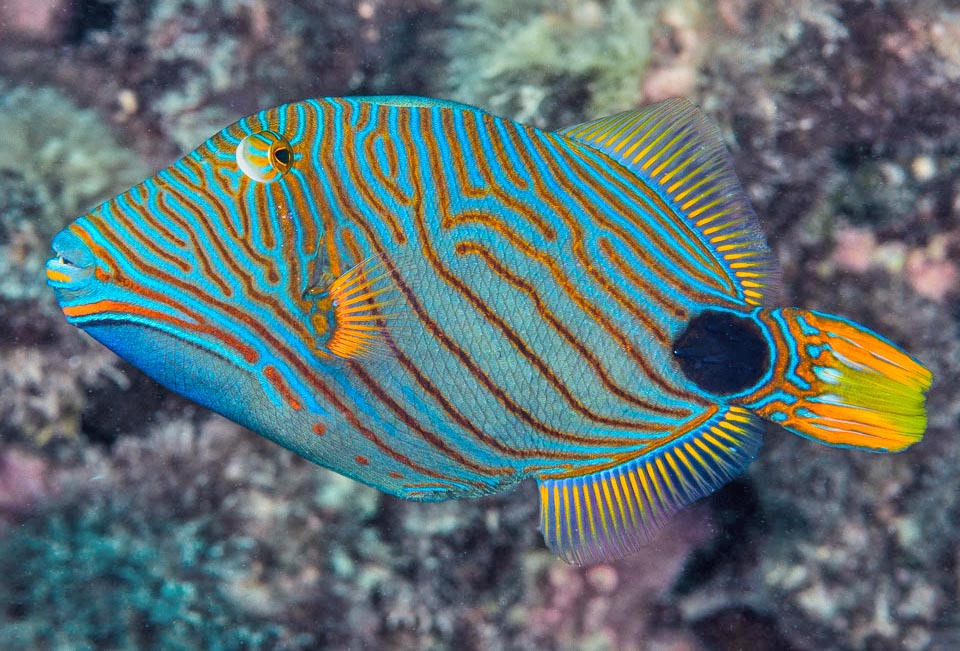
[[612, 513]]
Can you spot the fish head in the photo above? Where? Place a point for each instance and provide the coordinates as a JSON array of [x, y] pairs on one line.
[[194, 274]]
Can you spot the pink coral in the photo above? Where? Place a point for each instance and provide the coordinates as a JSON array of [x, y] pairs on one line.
[[855, 249], [33, 18], [616, 601], [23, 479], [930, 277]]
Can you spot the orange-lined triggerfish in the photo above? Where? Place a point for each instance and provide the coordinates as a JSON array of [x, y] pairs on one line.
[[440, 303]]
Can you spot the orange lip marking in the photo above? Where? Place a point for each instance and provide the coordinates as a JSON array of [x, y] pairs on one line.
[[113, 306], [57, 276]]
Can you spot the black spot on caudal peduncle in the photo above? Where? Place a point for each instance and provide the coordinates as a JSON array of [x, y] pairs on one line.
[[722, 353]]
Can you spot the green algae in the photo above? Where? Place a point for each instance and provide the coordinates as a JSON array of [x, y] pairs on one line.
[[520, 57]]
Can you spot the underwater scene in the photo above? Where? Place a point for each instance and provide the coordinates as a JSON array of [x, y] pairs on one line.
[[480, 324]]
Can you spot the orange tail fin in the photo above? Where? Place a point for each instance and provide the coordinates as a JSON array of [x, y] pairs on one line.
[[841, 384]]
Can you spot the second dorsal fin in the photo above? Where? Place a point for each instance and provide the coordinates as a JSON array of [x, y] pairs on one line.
[[677, 151]]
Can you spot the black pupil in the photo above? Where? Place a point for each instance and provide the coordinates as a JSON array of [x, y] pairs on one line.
[[282, 154], [722, 353]]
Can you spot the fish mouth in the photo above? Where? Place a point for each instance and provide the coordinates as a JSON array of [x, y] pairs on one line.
[[72, 265]]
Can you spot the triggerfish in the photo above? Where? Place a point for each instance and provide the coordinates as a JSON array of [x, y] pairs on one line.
[[440, 303]]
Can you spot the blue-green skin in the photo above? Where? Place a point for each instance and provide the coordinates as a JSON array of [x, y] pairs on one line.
[[216, 376], [439, 303]]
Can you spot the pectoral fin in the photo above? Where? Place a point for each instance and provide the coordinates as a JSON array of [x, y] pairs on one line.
[[351, 314]]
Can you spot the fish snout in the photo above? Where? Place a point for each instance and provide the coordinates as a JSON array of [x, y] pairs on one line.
[[72, 265]]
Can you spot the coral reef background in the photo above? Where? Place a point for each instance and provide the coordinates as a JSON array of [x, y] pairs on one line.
[[131, 519]]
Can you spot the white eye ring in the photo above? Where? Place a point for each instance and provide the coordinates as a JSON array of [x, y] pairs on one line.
[[264, 156]]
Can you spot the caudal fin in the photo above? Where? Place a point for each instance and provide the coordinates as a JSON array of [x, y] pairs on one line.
[[841, 384]]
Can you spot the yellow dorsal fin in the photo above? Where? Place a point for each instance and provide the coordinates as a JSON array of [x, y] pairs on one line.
[[675, 150]]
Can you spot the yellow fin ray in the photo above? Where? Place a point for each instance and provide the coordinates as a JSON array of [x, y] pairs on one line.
[[612, 512], [675, 150], [846, 386]]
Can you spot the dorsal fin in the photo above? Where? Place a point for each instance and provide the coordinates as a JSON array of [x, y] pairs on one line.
[[679, 153]]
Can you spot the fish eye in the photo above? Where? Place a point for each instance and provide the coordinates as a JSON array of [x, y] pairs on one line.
[[282, 154], [264, 156]]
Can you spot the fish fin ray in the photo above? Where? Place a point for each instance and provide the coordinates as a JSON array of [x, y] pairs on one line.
[[847, 386], [614, 512], [354, 313], [676, 150]]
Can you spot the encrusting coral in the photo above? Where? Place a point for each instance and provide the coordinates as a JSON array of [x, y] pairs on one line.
[[550, 55]]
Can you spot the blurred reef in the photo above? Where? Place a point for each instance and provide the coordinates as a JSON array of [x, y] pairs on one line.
[[131, 519]]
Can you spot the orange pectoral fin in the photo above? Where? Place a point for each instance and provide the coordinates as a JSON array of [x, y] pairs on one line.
[[352, 313]]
